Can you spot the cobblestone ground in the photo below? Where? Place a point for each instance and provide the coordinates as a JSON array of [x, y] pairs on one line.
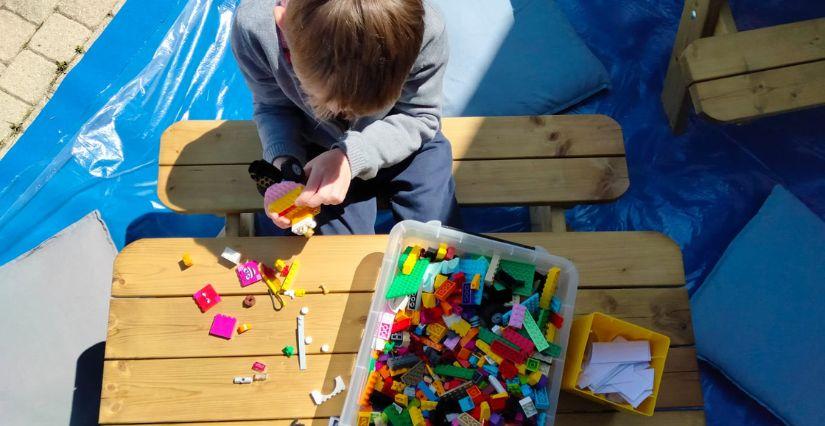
[[40, 41]]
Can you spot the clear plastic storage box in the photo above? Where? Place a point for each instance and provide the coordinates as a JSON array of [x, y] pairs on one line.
[[408, 233]]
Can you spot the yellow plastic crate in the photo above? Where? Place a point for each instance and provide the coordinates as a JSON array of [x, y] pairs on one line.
[[598, 327]]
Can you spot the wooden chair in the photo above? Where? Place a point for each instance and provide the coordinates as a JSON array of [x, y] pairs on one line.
[[540, 161], [735, 76]]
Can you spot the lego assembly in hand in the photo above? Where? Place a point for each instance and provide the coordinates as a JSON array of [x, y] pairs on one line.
[[464, 340]]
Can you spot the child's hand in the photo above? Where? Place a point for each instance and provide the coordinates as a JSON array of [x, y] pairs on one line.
[[328, 179], [279, 221]]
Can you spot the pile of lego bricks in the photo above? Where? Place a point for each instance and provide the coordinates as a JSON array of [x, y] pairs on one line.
[[465, 340]]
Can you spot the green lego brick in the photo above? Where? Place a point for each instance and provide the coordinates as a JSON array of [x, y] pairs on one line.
[[403, 285], [523, 272], [395, 418], [453, 371], [532, 364], [544, 317], [553, 350], [534, 332]]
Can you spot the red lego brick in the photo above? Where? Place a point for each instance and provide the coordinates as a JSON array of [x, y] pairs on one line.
[[505, 351], [507, 369], [445, 290], [400, 324], [475, 394], [556, 319], [519, 340]]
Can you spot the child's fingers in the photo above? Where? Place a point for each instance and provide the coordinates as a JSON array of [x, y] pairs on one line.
[[279, 221], [311, 188]]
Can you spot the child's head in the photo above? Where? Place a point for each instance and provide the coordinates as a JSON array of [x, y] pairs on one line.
[[353, 56]]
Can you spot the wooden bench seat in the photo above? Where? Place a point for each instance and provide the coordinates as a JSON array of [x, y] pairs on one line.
[[735, 76], [539, 161]]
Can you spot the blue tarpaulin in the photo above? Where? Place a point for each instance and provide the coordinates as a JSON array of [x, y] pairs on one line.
[[95, 144]]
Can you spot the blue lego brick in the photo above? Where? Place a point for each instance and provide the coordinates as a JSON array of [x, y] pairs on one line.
[[555, 304], [427, 391], [471, 267], [541, 399], [466, 404]]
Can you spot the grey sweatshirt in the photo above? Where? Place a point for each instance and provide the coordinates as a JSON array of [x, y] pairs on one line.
[[285, 120]]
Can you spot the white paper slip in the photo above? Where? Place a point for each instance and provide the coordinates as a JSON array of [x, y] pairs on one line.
[[617, 351]]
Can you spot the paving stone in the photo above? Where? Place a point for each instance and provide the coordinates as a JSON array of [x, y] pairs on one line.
[[14, 33], [34, 10], [88, 12], [2, 68], [29, 76], [12, 111], [58, 36]]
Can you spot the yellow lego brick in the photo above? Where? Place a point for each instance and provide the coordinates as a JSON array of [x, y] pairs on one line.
[[401, 399], [442, 251], [416, 417], [484, 412], [474, 284], [290, 277], [364, 418], [500, 395], [549, 287], [187, 260], [300, 213], [550, 334], [415, 319], [428, 405], [461, 327], [273, 283], [398, 387], [428, 300], [300, 292], [436, 331], [286, 201], [439, 387], [534, 378], [489, 352], [409, 262], [280, 264], [522, 369], [439, 279]]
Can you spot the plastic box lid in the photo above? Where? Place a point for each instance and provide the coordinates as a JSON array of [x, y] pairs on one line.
[[408, 233]]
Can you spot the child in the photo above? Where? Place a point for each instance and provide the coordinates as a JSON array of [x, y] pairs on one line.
[[354, 87]]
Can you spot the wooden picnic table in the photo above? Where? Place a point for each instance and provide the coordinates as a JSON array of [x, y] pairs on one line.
[[162, 367]]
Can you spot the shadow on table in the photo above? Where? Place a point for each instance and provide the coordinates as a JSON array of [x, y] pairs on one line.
[[347, 341], [87, 386]]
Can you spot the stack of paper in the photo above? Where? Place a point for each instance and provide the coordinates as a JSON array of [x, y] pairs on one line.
[[621, 369]]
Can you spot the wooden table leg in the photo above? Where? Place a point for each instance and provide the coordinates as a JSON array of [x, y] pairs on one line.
[[232, 228], [547, 219], [699, 18]]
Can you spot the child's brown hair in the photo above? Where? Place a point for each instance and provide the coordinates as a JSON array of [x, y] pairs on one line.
[[355, 54]]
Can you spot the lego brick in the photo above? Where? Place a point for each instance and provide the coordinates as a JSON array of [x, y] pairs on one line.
[[522, 272], [206, 298], [534, 332], [414, 375], [302, 355], [523, 343], [445, 290], [318, 398], [248, 273], [542, 400], [410, 261], [294, 267], [517, 315], [528, 407], [384, 329], [472, 267], [408, 284], [507, 352], [489, 276], [453, 371], [223, 326], [550, 285], [442, 252]]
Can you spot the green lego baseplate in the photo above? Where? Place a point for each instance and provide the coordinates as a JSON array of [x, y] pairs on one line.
[[403, 285]]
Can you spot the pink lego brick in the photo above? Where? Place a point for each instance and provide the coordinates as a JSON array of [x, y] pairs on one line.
[[259, 366], [279, 190], [206, 298], [248, 273], [385, 326], [223, 326], [517, 315]]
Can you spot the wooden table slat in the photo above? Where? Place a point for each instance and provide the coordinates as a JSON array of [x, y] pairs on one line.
[[605, 259], [192, 389], [173, 327], [754, 50], [199, 142], [661, 418]]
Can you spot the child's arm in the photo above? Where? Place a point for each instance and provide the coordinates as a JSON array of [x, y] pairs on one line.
[[416, 117], [276, 116]]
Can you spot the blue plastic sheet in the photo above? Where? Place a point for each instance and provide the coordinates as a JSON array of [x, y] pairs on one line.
[[95, 144]]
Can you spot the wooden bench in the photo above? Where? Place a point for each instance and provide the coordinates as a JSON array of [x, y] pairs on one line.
[[735, 76], [162, 367], [538, 161]]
